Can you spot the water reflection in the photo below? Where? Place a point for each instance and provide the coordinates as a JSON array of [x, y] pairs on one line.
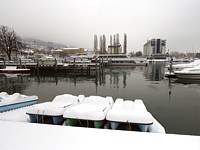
[[14, 83], [118, 76], [155, 71], [115, 78]]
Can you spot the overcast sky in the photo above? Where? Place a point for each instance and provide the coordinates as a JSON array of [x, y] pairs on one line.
[[74, 22]]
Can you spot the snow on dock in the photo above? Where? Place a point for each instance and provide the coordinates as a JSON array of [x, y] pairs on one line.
[[31, 136], [16, 115]]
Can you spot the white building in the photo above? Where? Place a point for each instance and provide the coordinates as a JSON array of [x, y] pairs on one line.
[[154, 46]]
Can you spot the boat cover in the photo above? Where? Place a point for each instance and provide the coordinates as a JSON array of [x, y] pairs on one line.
[[91, 108], [16, 98], [56, 107], [129, 111]]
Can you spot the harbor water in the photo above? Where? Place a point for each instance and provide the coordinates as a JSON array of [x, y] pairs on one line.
[[174, 103]]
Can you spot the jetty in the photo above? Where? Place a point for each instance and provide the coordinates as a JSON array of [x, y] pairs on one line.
[[59, 66]]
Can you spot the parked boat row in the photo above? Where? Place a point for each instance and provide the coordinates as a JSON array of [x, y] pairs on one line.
[[94, 111]]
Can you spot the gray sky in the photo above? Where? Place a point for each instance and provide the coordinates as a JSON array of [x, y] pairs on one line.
[[75, 22]]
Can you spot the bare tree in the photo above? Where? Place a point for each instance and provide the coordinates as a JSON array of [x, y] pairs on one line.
[[9, 41]]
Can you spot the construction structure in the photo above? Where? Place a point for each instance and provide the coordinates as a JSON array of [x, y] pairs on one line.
[[113, 48]]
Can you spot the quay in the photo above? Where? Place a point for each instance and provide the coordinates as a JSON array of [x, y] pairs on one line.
[[32, 136]]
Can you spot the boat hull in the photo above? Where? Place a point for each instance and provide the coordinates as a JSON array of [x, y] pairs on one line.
[[16, 105], [16, 71], [75, 122], [128, 64], [34, 118], [188, 75]]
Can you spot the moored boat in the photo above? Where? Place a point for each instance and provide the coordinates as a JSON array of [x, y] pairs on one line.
[[14, 69], [189, 73], [120, 60], [16, 100], [54, 110], [91, 109], [132, 112], [169, 74], [176, 67]]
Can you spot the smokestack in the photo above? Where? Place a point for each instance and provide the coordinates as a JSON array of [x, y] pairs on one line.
[[110, 40], [101, 45], [104, 44], [95, 48]]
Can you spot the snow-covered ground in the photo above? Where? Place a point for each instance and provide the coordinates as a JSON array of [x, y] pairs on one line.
[[31, 136]]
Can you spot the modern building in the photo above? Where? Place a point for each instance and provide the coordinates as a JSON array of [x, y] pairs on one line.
[[154, 47]]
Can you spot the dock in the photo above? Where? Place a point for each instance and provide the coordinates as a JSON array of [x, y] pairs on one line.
[[31, 136], [59, 66]]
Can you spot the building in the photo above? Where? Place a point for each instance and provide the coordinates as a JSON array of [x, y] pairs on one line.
[[154, 47], [67, 52], [115, 49]]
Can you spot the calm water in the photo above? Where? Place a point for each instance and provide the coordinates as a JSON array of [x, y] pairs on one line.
[[174, 103]]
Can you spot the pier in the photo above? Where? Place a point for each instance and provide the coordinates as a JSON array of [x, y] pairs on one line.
[[59, 66]]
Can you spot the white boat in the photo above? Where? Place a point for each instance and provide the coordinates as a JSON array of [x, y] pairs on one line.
[[14, 69], [189, 73], [14, 101], [54, 109], [120, 60], [92, 108], [185, 65], [132, 112], [169, 74]]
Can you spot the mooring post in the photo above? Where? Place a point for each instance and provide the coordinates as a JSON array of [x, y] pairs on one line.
[[4, 63], [37, 66], [102, 67], [20, 63], [99, 65], [74, 64], [96, 65], [55, 65]]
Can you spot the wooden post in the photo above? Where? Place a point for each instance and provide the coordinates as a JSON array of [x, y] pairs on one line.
[[96, 65], [4, 63], [74, 64], [99, 65], [20, 63], [55, 66], [102, 65], [37, 66]]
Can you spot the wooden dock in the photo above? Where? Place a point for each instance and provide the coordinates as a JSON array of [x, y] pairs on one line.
[[55, 66]]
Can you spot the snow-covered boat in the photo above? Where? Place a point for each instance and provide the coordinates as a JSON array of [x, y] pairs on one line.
[[54, 109], [14, 69], [16, 100], [185, 65], [189, 73], [132, 112], [169, 74], [92, 108]]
